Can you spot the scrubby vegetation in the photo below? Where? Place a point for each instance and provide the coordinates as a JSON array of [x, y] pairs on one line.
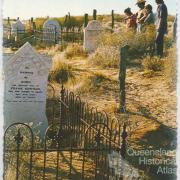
[[75, 50], [61, 73], [167, 66], [170, 67], [153, 63], [106, 57], [96, 82]]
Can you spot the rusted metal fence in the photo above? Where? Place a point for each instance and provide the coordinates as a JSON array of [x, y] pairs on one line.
[[46, 36], [75, 116], [76, 144]]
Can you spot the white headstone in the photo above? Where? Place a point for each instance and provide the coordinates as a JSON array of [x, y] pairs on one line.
[[91, 35], [26, 77], [18, 25], [51, 30]]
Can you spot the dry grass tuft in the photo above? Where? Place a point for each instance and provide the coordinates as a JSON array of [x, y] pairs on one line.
[[96, 82], [170, 67], [75, 50], [61, 73], [106, 57], [153, 64]]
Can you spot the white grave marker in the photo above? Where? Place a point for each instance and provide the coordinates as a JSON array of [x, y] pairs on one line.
[[26, 78], [51, 30], [91, 35], [18, 26]]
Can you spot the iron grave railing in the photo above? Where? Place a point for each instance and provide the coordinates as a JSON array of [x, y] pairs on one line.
[[76, 144]]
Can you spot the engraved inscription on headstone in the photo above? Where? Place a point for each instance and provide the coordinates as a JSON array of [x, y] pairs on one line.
[[26, 75], [91, 35]]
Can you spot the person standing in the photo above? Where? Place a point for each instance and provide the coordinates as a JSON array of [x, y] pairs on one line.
[[161, 26], [149, 19], [130, 19], [141, 14]]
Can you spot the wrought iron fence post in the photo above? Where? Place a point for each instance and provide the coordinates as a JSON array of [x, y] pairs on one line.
[[55, 36], [123, 145], [97, 151], [19, 139], [62, 105], [122, 78], [123, 150]]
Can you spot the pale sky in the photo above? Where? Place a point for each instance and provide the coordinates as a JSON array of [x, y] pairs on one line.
[[58, 8]]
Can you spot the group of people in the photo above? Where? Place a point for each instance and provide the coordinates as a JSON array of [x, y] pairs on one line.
[[145, 16]]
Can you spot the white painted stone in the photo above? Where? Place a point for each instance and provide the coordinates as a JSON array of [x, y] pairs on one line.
[[51, 30], [18, 25], [26, 78], [91, 35]]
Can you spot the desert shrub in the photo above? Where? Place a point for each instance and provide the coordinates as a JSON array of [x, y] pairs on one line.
[[95, 81], [153, 63], [168, 41], [40, 46], [73, 21], [170, 67], [74, 50], [171, 18], [61, 73], [105, 56], [53, 51], [138, 43], [39, 22], [97, 78]]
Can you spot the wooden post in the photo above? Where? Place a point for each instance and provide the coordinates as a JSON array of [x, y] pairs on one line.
[[122, 78], [8, 20], [32, 20], [112, 14], [85, 20], [10, 33], [66, 17], [94, 14], [34, 26], [69, 15]]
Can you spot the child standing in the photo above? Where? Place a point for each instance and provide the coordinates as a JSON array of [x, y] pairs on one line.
[[130, 19]]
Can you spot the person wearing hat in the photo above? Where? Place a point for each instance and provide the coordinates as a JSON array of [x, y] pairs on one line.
[[141, 14], [161, 26], [130, 19]]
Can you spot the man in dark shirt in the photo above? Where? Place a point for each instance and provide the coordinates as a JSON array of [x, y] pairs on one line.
[[161, 26]]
